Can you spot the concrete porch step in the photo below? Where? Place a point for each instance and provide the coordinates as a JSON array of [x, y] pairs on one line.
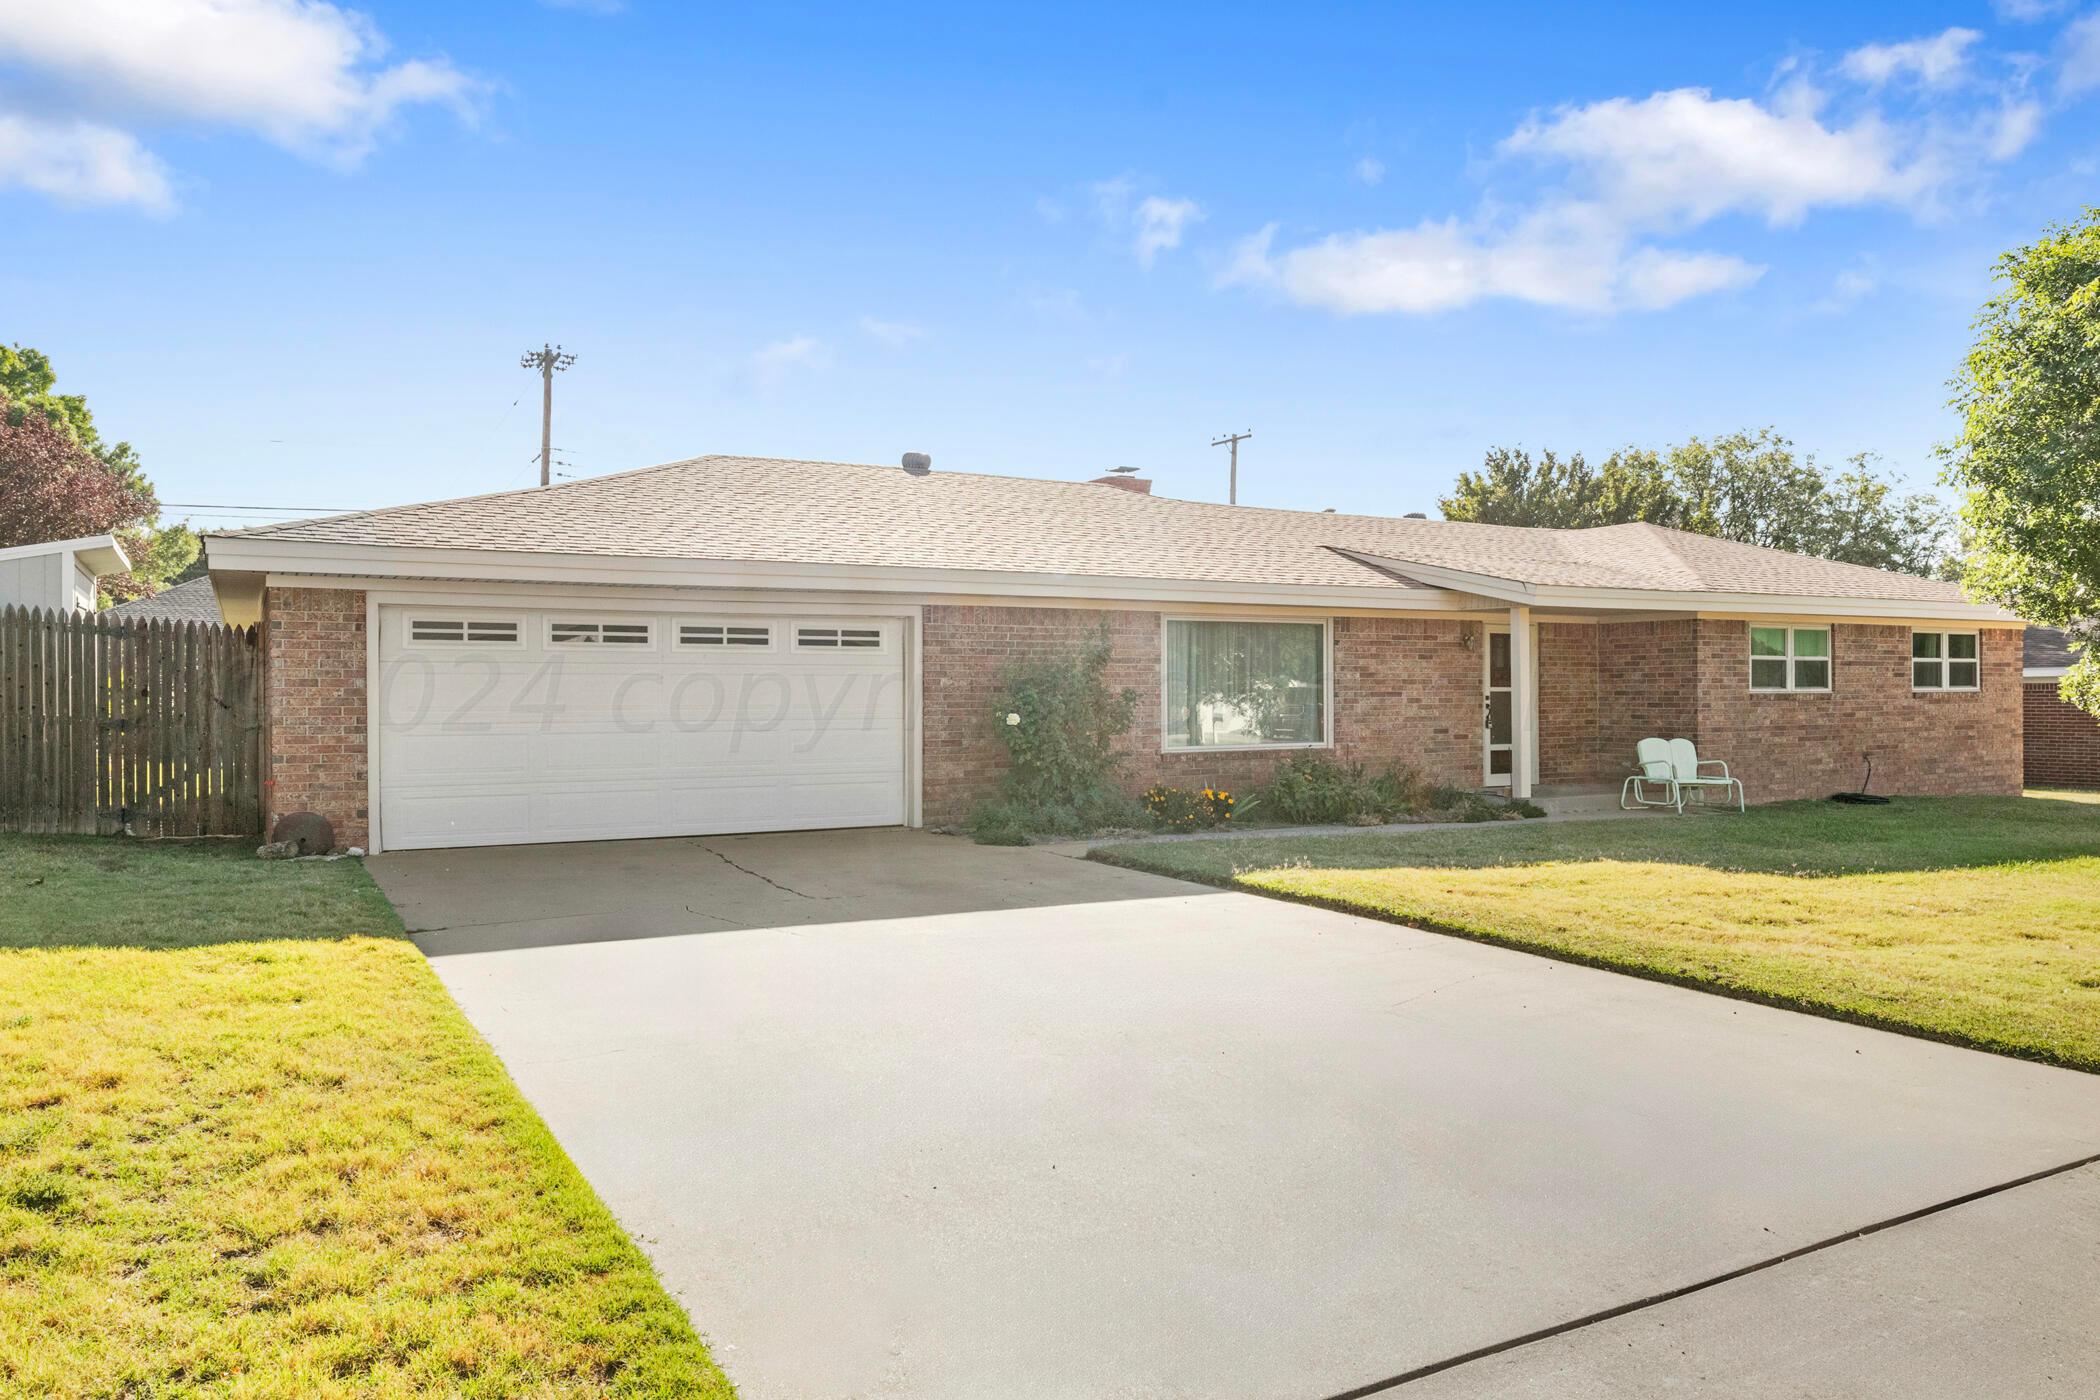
[[1571, 801]]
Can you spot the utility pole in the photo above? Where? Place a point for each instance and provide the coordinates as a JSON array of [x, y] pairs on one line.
[[1233, 494], [547, 359]]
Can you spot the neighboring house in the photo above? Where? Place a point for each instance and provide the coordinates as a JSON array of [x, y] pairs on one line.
[[736, 644], [2062, 741], [60, 576], [194, 601]]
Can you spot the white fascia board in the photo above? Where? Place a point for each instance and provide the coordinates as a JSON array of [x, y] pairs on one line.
[[2046, 673], [278, 557], [1699, 601], [102, 553]]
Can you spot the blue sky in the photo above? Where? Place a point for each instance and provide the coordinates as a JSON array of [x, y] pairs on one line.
[[294, 252]]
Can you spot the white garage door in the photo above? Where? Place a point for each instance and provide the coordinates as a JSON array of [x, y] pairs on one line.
[[503, 727]]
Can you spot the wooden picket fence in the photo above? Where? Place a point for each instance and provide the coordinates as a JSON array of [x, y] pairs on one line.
[[148, 727]]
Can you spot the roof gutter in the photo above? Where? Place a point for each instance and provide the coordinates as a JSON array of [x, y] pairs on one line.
[[244, 562]]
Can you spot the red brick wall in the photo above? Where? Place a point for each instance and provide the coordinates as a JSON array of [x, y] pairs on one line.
[[1568, 747], [1406, 690], [2063, 741], [314, 681], [1647, 687], [1811, 744]]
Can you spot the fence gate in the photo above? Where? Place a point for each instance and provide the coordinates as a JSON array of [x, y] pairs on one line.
[[152, 727]]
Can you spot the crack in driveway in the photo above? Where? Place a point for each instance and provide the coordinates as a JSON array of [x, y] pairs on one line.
[[784, 889]]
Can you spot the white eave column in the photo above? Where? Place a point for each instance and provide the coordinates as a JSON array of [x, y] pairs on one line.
[[1524, 697]]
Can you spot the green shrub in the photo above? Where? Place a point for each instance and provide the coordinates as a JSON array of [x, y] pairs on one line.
[[1059, 722], [1314, 789], [1004, 819]]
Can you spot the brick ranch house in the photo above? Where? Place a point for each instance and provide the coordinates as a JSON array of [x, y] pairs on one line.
[[736, 644], [2062, 741]]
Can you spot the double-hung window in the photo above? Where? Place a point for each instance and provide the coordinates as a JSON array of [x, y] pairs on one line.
[[1943, 661], [1790, 658], [1231, 684]]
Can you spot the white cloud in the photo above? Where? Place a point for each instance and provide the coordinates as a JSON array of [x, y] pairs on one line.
[[2011, 128], [1651, 279], [1570, 256], [1154, 224], [892, 333], [1934, 61], [1626, 177], [1685, 157], [1368, 171], [772, 364], [81, 163], [2028, 11], [2080, 53], [1159, 225], [302, 74]]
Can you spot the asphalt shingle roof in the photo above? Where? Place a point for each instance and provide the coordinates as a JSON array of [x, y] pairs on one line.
[[193, 601], [777, 511], [2048, 648]]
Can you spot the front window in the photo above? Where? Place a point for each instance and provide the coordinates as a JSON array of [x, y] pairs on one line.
[[1943, 660], [1243, 684], [1790, 658]]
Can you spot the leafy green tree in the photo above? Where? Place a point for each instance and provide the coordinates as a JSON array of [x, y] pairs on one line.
[[1513, 489], [2028, 454], [1747, 486], [159, 554]]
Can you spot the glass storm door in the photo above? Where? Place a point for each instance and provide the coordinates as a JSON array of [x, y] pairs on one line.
[[1497, 708]]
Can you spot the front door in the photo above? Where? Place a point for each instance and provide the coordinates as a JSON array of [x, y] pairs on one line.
[[1497, 708]]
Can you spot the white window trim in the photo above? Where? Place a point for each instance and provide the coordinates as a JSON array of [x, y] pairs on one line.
[[410, 642], [554, 619], [1945, 660], [801, 625], [1326, 739], [1828, 658], [724, 648]]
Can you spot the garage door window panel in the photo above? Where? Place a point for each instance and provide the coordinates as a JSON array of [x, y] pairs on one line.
[[562, 632], [426, 631], [836, 639], [725, 637]]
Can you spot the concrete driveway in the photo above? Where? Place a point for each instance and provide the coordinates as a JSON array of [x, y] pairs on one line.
[[900, 1116]]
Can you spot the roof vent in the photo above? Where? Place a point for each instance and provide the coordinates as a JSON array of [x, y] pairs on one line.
[[1415, 515], [1124, 479], [918, 463]]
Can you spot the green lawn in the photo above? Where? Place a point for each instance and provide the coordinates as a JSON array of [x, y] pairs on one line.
[[248, 1145], [1973, 920]]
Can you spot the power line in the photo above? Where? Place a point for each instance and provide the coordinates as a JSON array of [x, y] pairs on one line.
[[223, 505]]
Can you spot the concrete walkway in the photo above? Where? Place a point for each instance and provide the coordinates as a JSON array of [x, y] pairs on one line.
[[899, 1116], [1276, 833]]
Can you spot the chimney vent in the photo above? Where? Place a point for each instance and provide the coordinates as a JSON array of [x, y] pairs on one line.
[[918, 463], [1124, 479]]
